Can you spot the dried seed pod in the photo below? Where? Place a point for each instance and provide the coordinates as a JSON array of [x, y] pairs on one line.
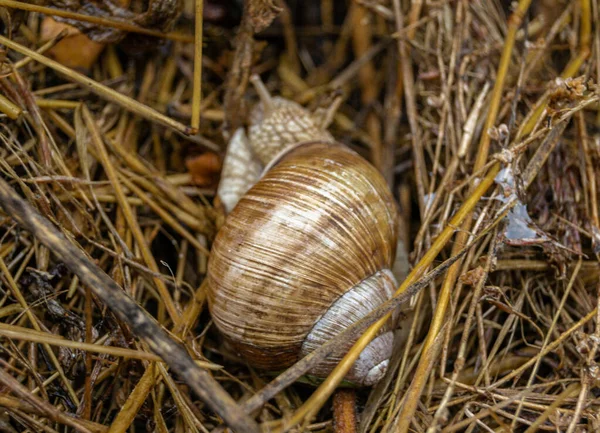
[[306, 252]]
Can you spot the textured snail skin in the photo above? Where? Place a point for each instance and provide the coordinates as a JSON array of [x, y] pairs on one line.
[[240, 171], [317, 231], [272, 130], [284, 125]]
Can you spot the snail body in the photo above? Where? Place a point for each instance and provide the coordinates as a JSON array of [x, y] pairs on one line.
[[306, 252]]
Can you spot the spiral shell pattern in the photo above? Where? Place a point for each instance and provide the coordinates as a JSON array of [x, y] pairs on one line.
[[319, 223]]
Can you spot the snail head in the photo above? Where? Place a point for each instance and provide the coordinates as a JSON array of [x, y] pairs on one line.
[[277, 124]]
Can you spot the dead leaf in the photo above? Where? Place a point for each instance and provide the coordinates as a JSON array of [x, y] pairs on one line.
[[204, 168], [75, 50]]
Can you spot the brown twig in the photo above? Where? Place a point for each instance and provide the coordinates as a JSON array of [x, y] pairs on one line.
[[98, 88], [197, 85], [41, 405], [344, 411], [127, 310]]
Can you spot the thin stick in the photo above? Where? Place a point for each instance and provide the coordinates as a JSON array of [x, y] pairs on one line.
[[34, 322], [126, 309], [127, 212], [101, 90], [89, 338], [569, 71], [422, 372], [134, 402], [44, 407], [344, 411], [411, 110], [25, 334], [7, 107], [197, 87], [362, 38]]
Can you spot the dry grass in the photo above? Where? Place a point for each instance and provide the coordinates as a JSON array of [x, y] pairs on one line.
[[440, 96]]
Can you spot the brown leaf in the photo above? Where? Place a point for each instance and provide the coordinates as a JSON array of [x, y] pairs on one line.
[[204, 168], [75, 50]]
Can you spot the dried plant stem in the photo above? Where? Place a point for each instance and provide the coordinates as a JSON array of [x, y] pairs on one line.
[[44, 407], [166, 217], [590, 171], [127, 310], [7, 107], [101, 21], [263, 93], [470, 124], [569, 391], [113, 64], [318, 398], [192, 311], [127, 212], [569, 71], [422, 372], [197, 85], [100, 89], [362, 40], [56, 103], [134, 402], [538, 265], [34, 322], [581, 402], [344, 411], [411, 108], [584, 40], [25, 334], [238, 75], [34, 118], [86, 413]]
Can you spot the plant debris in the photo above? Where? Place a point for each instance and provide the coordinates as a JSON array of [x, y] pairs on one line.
[[483, 117]]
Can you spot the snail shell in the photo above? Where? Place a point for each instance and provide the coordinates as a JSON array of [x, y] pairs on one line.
[[305, 253]]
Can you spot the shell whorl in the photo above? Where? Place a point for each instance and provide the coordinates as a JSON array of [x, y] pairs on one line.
[[352, 306], [319, 223]]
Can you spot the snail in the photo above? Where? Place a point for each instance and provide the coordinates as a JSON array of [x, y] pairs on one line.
[[307, 247]]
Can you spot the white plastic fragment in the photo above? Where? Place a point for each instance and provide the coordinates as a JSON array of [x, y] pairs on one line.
[[520, 225]]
